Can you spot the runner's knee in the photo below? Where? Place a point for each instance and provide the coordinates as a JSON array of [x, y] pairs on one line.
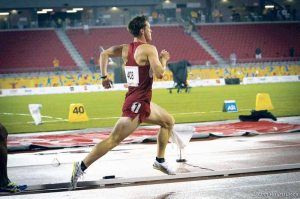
[[169, 122]]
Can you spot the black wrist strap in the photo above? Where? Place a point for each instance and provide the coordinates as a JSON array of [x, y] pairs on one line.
[[103, 77]]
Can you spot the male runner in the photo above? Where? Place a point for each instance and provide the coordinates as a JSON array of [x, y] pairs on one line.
[[141, 62]]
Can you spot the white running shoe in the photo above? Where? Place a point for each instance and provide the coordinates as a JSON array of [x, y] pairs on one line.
[[163, 167], [76, 174]]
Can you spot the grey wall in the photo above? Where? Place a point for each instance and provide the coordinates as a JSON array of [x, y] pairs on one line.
[[10, 4]]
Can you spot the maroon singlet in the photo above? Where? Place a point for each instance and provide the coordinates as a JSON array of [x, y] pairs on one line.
[[139, 79]]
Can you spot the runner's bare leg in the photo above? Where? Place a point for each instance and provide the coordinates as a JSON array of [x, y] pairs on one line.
[[123, 128], [161, 117]]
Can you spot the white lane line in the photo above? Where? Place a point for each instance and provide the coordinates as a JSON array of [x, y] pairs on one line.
[[23, 114], [26, 114], [187, 113], [58, 119], [6, 113], [50, 121], [192, 113], [103, 118]]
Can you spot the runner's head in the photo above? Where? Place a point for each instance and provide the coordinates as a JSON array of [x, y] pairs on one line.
[[139, 27]]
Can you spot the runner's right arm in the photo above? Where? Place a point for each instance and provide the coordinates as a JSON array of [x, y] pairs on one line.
[[114, 51]]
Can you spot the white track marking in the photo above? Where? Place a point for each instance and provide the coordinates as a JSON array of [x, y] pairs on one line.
[[103, 118], [195, 113], [26, 114], [58, 119]]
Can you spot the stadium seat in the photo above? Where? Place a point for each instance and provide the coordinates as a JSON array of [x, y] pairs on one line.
[[172, 38], [274, 40], [32, 51]]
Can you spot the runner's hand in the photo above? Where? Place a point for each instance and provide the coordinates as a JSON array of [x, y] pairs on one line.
[[107, 83], [164, 55]]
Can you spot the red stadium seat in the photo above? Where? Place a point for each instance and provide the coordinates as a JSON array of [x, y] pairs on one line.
[[274, 40], [32, 51], [173, 39]]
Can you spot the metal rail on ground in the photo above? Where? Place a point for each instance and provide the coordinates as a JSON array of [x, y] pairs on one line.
[[193, 176]]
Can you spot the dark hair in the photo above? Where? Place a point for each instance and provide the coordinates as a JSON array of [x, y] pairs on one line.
[[136, 24]]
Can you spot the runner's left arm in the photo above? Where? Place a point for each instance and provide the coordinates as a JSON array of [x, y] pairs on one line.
[[157, 62]]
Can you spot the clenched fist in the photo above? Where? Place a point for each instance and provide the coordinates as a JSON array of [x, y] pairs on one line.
[[164, 55], [107, 83]]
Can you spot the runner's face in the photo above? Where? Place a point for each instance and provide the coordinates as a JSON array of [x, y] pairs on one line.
[[148, 32]]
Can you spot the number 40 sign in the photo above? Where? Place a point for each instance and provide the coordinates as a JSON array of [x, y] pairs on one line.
[[77, 113]]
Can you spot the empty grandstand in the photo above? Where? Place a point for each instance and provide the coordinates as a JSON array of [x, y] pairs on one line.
[[274, 39], [89, 43], [52, 47], [173, 38], [31, 51]]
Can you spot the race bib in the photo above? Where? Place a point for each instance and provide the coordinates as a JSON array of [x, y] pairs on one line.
[[135, 107], [132, 75]]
